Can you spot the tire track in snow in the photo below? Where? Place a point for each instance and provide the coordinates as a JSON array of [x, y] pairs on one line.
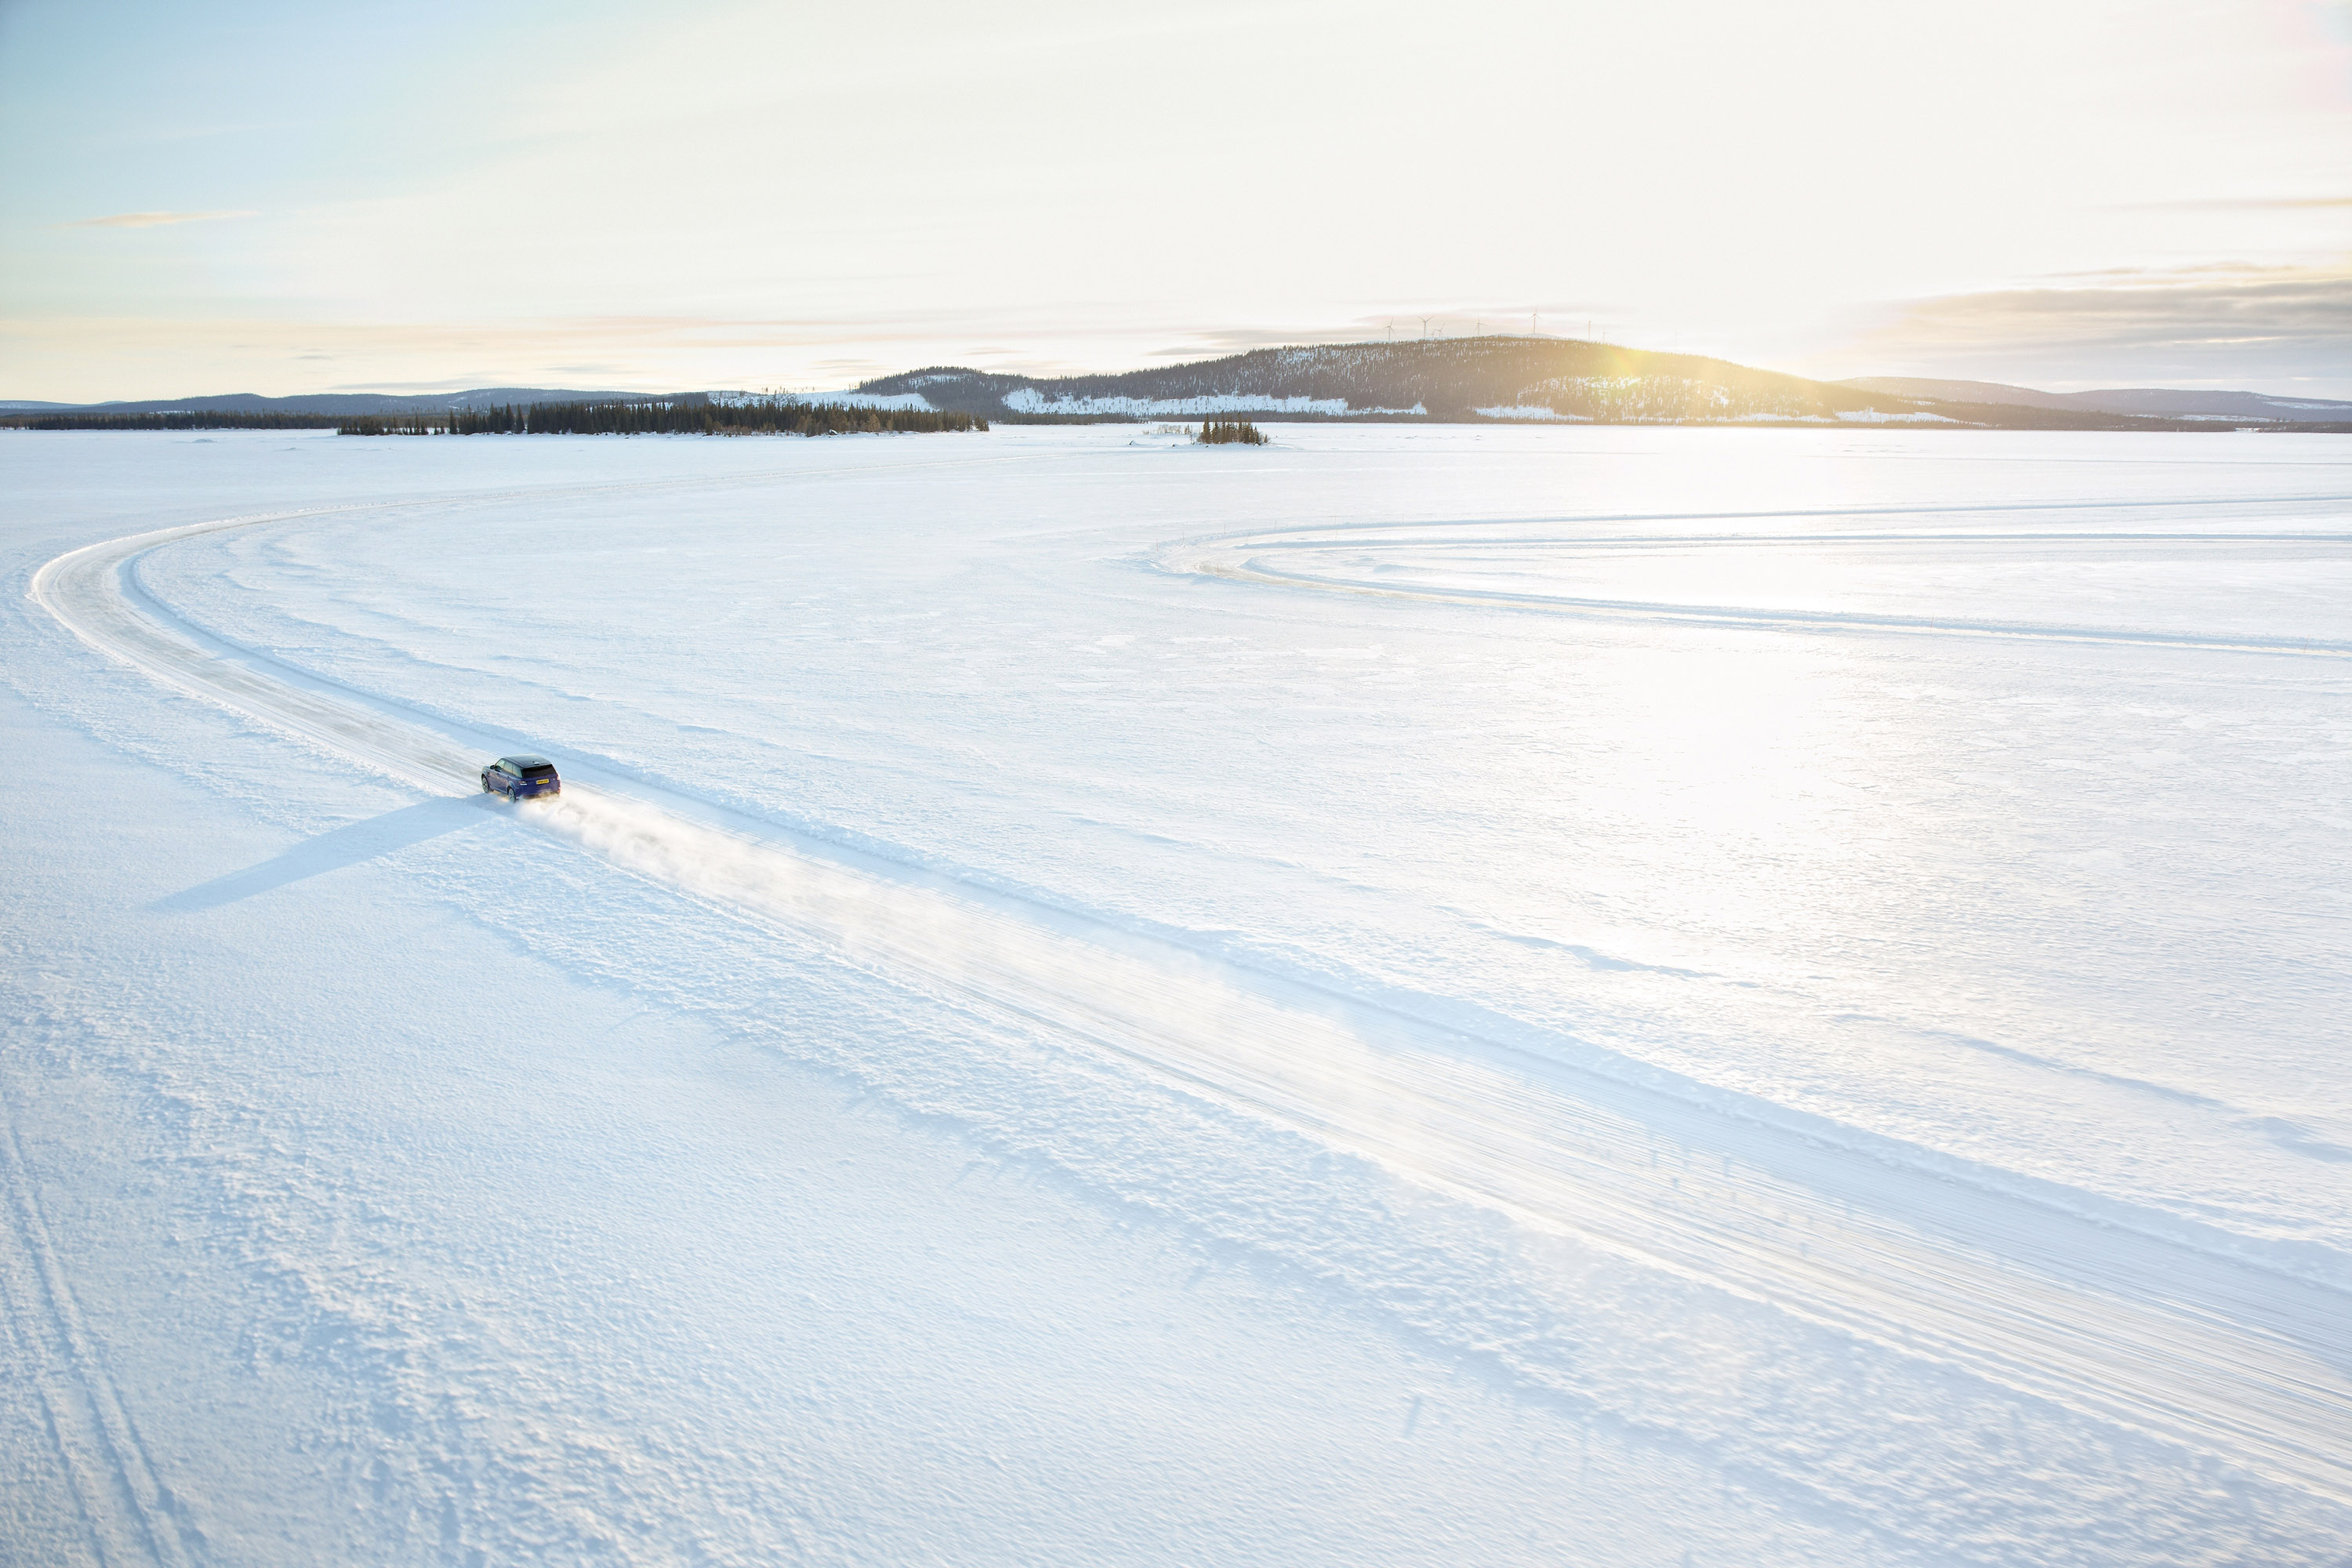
[[131, 1517], [2157, 1330], [118, 1488], [1252, 559], [2110, 1322]]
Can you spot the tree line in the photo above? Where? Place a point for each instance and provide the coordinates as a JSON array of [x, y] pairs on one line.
[[659, 416], [181, 419], [1217, 432]]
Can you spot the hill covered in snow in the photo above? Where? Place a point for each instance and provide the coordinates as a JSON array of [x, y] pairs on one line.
[[1466, 380]]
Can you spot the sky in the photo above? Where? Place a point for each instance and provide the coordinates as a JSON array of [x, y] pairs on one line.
[[256, 197]]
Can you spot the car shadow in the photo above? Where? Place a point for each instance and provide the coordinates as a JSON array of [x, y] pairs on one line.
[[360, 841]]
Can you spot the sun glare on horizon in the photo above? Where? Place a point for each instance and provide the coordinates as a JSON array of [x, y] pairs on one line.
[[274, 199]]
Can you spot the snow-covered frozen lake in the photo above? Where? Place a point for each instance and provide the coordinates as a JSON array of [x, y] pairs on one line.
[[1418, 995]]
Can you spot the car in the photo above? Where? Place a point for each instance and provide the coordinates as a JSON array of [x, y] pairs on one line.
[[520, 778]]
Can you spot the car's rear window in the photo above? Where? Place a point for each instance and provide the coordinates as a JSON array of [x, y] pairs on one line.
[[544, 770]]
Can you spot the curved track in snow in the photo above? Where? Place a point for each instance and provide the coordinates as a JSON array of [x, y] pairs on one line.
[[2138, 1320], [1300, 559]]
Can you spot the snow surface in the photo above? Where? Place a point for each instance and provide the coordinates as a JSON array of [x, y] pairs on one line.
[[1428, 994], [1880, 416], [913, 401]]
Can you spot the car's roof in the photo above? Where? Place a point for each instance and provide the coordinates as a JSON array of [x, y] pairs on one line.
[[527, 762]]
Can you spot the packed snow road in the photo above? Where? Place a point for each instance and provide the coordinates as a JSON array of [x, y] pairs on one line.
[[2139, 1321]]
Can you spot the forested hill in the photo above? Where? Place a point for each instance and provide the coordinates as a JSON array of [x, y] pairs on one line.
[[1462, 378]]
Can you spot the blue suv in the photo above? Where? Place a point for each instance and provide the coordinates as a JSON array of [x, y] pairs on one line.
[[520, 778]]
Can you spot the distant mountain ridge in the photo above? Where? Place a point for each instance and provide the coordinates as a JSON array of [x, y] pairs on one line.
[[1457, 380], [1494, 378], [336, 403], [1452, 379], [2158, 402]]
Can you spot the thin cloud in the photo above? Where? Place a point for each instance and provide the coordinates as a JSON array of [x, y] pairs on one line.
[[2247, 205], [1242, 340], [1551, 321], [152, 220], [2242, 325]]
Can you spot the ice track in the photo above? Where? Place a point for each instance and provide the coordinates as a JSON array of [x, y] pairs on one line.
[[2165, 1331], [1349, 560]]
